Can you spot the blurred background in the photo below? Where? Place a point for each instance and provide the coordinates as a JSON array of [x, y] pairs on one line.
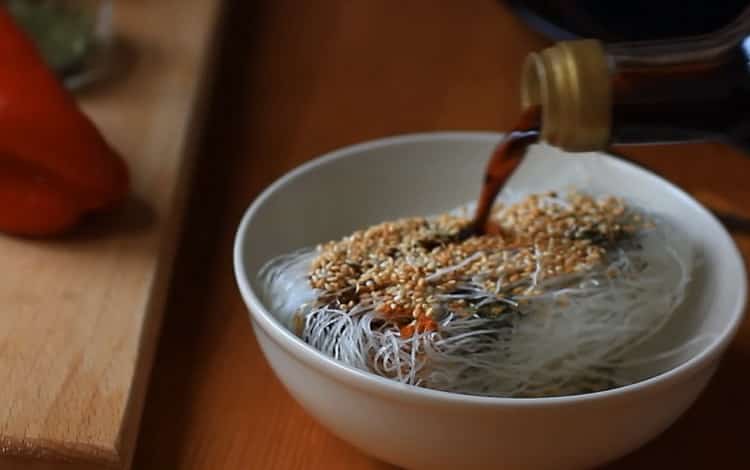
[[626, 20]]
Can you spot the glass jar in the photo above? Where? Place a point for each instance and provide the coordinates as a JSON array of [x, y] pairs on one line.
[[74, 36]]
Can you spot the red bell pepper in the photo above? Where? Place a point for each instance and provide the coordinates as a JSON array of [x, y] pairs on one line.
[[55, 166]]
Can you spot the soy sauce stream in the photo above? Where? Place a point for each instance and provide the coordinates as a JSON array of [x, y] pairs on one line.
[[505, 159]]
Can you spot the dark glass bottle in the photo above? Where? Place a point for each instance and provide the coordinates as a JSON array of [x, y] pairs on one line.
[[594, 94], [626, 20]]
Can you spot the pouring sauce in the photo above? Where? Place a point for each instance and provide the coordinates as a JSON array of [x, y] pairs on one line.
[[503, 162]]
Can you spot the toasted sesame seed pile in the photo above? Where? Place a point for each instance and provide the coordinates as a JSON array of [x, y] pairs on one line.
[[408, 268]]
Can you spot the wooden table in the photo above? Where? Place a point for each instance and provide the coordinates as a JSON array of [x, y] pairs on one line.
[[298, 79]]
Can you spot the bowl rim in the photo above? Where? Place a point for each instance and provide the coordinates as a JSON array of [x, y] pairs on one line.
[[341, 372]]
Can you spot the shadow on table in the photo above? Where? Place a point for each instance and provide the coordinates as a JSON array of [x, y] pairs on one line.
[[712, 433], [167, 420]]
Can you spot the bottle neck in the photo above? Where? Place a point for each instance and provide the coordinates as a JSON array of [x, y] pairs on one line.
[[571, 84]]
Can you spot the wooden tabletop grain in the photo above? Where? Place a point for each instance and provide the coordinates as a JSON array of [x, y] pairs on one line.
[[300, 78]]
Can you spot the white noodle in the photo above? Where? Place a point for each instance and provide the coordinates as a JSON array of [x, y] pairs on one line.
[[575, 337]]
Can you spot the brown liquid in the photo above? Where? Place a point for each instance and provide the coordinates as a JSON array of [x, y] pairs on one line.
[[504, 160], [709, 100]]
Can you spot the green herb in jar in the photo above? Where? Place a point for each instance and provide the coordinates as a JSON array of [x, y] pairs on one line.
[[63, 32]]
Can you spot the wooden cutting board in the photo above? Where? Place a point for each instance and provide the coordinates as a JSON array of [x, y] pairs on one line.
[[79, 317]]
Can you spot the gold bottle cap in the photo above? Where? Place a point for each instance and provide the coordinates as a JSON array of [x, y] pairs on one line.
[[571, 83]]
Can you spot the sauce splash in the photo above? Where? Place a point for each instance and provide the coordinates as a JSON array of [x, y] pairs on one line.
[[504, 160]]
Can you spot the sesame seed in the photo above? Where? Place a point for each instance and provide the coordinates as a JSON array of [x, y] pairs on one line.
[[392, 264]]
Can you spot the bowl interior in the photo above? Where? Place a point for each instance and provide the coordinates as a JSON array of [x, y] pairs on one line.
[[431, 173]]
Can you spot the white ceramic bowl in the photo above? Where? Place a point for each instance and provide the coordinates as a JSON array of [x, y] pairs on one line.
[[425, 429]]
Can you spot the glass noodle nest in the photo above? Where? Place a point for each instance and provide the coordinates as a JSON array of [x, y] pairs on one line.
[[554, 300]]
